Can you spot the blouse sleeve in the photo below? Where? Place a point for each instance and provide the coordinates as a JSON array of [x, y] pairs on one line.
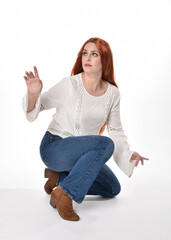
[[122, 152], [52, 98]]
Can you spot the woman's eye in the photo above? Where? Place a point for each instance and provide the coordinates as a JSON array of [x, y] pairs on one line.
[[92, 53], [96, 54]]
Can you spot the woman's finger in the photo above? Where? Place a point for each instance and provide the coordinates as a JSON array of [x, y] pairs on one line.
[[137, 161], [32, 75], [36, 72], [145, 158], [28, 75], [25, 78]]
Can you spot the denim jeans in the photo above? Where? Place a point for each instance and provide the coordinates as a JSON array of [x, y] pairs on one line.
[[80, 161]]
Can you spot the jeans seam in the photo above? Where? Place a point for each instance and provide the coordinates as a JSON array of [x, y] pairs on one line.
[[88, 172], [76, 188], [69, 194]]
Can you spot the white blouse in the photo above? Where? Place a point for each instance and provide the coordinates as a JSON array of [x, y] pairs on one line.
[[78, 113]]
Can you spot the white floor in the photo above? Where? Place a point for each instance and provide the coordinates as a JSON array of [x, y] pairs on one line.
[[140, 212]]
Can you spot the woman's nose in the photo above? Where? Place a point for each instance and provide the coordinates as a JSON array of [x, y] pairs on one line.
[[88, 57]]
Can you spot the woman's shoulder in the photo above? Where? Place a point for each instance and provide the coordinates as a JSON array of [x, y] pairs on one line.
[[115, 90], [73, 80], [69, 79]]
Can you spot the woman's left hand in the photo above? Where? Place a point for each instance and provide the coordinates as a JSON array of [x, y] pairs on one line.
[[136, 156]]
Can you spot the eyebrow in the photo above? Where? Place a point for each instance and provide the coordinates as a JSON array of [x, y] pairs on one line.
[[92, 50]]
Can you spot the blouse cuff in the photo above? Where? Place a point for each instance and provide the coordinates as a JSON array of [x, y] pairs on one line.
[[131, 165], [123, 162], [31, 116]]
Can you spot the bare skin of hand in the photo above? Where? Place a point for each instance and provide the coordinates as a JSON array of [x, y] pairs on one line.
[[136, 156], [33, 82]]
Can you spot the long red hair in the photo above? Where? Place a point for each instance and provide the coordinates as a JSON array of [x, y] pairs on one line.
[[107, 64]]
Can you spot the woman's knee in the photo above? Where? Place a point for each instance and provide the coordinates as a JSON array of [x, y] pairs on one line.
[[116, 189], [108, 145]]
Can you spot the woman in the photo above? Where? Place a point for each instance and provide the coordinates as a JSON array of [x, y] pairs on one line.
[[73, 147]]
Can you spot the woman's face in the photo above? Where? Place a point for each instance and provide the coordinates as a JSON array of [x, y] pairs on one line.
[[91, 55]]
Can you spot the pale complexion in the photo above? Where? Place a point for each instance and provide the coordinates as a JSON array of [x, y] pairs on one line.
[[92, 76], [34, 86]]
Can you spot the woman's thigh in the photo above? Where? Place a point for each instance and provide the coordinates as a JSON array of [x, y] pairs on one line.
[[63, 153]]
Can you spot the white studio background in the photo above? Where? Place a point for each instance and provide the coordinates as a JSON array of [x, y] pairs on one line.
[[49, 34]]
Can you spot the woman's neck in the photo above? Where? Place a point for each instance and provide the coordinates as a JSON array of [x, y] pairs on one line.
[[92, 80]]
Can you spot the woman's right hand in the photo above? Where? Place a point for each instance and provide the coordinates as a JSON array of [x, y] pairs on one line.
[[34, 84]]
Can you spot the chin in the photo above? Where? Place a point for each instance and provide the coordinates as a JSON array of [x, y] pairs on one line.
[[88, 70]]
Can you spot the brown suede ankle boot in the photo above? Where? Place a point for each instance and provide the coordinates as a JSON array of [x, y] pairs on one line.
[[51, 182], [63, 203]]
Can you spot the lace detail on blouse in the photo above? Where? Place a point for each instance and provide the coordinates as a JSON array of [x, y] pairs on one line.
[[79, 105], [113, 129], [107, 105], [78, 110]]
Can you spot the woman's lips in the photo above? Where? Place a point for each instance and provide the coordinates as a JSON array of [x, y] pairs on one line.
[[87, 65]]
